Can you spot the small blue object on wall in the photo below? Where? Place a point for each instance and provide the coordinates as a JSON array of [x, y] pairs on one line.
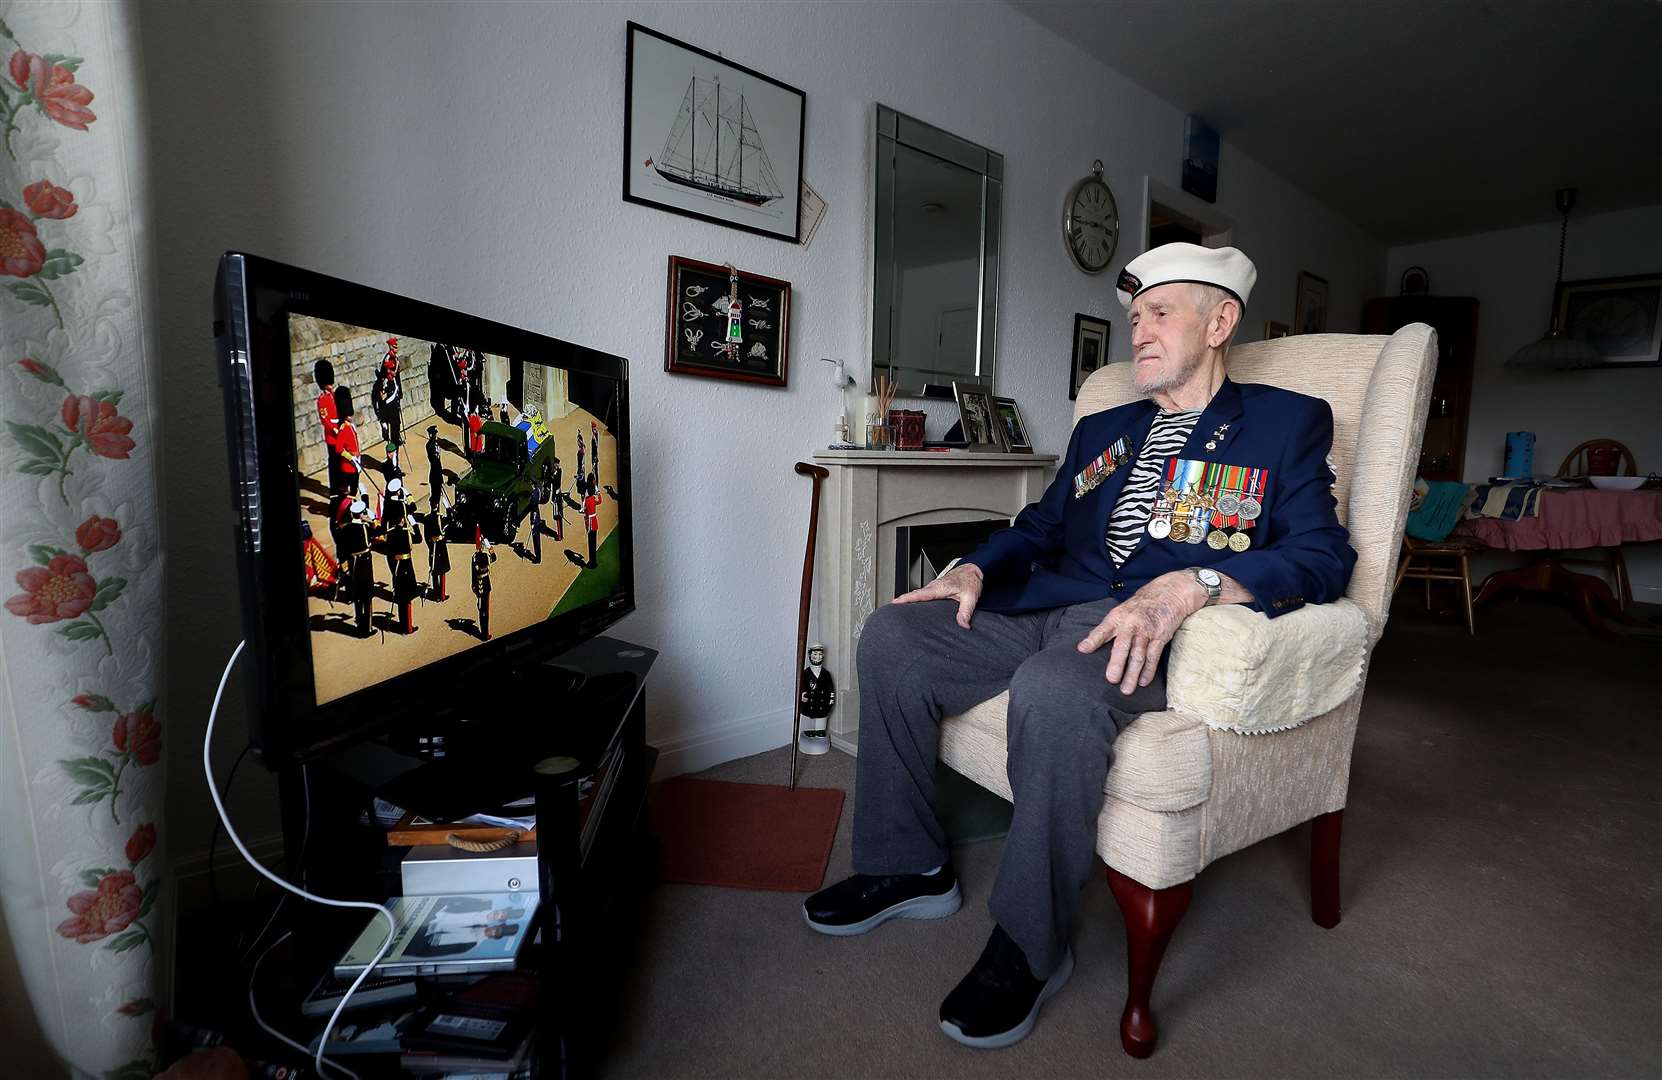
[[1200, 160]]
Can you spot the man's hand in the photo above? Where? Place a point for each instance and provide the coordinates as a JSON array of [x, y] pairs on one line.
[[1141, 627], [962, 583]]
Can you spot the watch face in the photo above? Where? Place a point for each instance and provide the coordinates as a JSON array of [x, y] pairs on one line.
[[1209, 578], [1091, 225]]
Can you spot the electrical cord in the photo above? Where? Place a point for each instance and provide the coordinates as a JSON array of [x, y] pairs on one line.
[[213, 834], [254, 1007], [282, 898], [392, 923]]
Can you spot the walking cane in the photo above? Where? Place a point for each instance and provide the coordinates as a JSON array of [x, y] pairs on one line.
[[804, 469]]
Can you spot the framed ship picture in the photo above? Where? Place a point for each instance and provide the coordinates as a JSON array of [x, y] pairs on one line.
[[705, 137], [724, 323]]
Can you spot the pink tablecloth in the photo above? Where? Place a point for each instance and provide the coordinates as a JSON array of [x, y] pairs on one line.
[[1583, 518]]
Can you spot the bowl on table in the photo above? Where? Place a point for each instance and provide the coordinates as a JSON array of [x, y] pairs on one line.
[[1617, 483]]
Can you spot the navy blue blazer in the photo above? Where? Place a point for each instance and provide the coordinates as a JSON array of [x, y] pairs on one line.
[[1056, 551]]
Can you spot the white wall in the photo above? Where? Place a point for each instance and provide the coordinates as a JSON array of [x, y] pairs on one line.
[[468, 154], [1510, 271]]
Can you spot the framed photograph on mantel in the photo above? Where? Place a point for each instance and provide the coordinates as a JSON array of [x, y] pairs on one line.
[[708, 138], [978, 417], [1011, 427], [1090, 350], [700, 337], [1621, 317]]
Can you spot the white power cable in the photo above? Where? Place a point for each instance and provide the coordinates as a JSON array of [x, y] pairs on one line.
[[225, 818]]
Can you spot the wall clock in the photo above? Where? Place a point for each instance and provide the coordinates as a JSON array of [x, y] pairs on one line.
[[1091, 222]]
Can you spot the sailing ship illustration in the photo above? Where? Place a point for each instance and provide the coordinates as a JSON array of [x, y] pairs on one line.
[[714, 146]]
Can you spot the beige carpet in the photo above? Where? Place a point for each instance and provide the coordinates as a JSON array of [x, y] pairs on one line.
[[1502, 909]]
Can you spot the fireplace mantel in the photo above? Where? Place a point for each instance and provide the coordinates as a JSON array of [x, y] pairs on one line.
[[870, 494]]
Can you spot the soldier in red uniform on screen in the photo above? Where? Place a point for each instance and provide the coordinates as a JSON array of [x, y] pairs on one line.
[[475, 440], [324, 374], [346, 441], [591, 518]]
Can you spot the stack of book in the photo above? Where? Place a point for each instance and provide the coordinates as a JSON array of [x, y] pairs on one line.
[[445, 997]]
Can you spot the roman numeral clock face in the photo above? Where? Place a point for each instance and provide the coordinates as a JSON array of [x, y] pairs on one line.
[[1091, 223]]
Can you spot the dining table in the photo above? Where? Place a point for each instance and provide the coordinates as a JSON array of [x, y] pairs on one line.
[[1569, 519]]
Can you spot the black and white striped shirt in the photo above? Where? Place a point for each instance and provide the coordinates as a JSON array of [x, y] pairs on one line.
[[1165, 439]]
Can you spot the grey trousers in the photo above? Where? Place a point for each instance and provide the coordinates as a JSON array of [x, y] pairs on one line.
[[917, 665]]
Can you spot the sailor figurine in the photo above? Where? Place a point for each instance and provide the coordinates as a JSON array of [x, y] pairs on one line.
[[816, 697], [483, 556]]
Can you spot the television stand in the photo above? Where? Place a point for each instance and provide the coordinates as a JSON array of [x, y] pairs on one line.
[[592, 706]]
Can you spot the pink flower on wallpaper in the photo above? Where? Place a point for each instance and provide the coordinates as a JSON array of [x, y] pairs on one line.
[[21, 252], [32, 366], [140, 735], [54, 86], [62, 589], [141, 843], [46, 199], [103, 911], [104, 430], [98, 534]]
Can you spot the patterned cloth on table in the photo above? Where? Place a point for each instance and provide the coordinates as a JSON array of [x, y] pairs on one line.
[[1508, 502]]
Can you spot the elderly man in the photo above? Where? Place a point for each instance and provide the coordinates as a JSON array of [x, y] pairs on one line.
[[1208, 492]]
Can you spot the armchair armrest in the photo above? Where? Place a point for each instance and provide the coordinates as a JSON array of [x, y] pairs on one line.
[[1238, 670]]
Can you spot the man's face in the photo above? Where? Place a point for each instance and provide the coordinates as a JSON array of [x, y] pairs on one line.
[[1168, 337], [816, 656]]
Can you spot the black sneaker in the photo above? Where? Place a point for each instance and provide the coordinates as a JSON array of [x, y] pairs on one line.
[[864, 901], [998, 1002]]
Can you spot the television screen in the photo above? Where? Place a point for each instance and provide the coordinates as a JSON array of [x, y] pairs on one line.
[[426, 497], [447, 494]]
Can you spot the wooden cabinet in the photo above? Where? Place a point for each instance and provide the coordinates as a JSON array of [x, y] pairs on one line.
[[1443, 451]]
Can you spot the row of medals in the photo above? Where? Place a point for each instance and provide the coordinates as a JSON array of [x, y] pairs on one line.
[[1176, 518]]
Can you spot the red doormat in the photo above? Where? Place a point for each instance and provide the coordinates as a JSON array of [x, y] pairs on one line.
[[744, 836]]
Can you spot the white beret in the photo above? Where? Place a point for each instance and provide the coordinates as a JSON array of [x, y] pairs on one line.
[[1227, 268], [394, 486]]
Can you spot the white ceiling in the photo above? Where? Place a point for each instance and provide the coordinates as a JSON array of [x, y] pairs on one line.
[[1416, 119]]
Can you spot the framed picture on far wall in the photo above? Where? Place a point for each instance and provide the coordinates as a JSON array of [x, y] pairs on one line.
[[977, 417], [1273, 329], [1310, 308], [1090, 351], [1621, 317], [708, 138], [696, 318], [1010, 425]]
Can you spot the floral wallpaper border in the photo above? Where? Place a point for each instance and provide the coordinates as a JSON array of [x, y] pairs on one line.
[[80, 637]]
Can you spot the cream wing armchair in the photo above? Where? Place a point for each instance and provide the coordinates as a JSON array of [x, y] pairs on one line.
[[1236, 757]]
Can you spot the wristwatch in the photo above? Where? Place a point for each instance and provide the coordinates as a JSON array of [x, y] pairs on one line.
[[1209, 580]]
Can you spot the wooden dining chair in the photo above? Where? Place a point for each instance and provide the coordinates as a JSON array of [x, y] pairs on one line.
[[1576, 463], [1441, 560], [1610, 558]]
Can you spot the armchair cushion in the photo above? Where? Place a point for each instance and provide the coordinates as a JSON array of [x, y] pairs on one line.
[[1238, 670]]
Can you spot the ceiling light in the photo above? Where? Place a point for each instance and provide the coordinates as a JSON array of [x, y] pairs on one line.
[[1557, 351]]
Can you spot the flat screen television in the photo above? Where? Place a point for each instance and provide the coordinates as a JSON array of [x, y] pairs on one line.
[[352, 414]]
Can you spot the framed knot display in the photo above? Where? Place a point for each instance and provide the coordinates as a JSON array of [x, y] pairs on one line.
[[724, 323]]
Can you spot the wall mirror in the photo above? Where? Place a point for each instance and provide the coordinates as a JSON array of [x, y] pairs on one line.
[[935, 304]]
